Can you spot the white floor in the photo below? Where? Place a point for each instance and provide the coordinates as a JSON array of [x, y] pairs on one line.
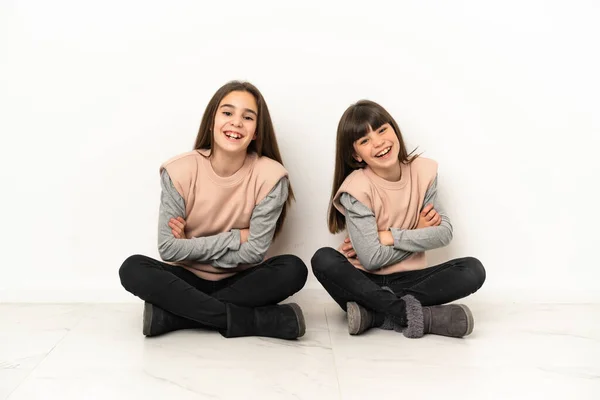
[[97, 351]]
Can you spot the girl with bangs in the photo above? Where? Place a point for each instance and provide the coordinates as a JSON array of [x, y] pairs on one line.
[[221, 206], [386, 199]]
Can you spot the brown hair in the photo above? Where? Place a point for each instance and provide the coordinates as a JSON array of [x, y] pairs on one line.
[[356, 122], [265, 143]]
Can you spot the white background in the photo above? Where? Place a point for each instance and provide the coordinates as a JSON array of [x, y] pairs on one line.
[[94, 96]]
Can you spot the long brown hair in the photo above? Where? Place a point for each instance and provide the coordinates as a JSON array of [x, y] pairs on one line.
[[265, 144], [356, 122]]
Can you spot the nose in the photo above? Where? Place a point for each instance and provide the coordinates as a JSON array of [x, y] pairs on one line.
[[236, 120], [378, 141]]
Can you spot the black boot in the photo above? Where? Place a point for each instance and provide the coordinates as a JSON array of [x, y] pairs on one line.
[[284, 321], [158, 321]]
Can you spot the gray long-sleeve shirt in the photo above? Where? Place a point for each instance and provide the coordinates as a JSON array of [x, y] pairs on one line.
[[362, 228], [223, 249]]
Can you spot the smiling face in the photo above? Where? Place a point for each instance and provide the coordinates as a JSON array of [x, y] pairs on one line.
[[378, 148], [235, 122]]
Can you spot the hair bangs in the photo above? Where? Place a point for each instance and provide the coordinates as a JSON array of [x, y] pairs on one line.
[[363, 118]]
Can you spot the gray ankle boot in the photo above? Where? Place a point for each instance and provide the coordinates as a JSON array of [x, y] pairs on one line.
[[359, 318], [454, 320]]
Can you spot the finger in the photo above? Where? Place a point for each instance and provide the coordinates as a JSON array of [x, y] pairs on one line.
[[176, 226], [181, 226], [180, 219], [176, 234], [351, 254], [433, 220], [347, 240], [438, 220], [426, 209], [430, 215]]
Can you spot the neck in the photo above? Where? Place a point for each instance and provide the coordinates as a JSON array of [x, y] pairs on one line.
[[392, 174], [226, 164]]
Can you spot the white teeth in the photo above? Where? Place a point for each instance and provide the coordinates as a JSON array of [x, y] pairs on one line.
[[384, 152], [233, 135]]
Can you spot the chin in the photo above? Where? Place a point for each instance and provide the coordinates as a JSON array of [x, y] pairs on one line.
[[236, 149], [390, 164]]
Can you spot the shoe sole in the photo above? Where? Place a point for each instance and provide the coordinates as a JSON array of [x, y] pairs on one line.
[[299, 318], [147, 323], [470, 320], [354, 317]]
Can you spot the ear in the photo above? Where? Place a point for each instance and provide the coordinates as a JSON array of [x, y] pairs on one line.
[[357, 157]]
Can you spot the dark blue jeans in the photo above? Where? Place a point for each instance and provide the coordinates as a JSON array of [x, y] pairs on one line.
[[186, 295], [440, 284]]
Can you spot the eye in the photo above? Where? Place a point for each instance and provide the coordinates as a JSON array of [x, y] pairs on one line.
[[228, 113], [249, 118], [383, 129], [363, 141]]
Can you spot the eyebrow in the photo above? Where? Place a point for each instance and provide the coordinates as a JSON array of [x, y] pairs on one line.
[[232, 106]]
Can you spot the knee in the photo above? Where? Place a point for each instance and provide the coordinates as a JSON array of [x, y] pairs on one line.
[[476, 272], [129, 272], [296, 272], [325, 261]]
